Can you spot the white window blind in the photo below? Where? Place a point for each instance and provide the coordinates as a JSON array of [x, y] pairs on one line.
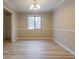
[[34, 22]]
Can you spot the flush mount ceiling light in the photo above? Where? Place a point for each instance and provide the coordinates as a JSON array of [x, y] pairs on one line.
[[35, 6]]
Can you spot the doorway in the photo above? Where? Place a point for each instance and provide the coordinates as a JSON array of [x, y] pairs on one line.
[[6, 26]]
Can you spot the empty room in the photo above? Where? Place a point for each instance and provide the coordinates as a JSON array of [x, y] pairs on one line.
[[38, 29]]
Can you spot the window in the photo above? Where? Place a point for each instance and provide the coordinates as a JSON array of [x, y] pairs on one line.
[[34, 22]]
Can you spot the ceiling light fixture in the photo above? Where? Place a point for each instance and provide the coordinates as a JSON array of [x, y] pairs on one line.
[[35, 6]]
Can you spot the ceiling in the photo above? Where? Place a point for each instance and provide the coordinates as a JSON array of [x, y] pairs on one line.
[[24, 5]]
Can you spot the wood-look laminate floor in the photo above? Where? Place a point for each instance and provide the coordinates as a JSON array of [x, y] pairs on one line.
[[35, 49]]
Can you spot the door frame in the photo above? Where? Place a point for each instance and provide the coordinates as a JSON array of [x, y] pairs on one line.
[[12, 24]]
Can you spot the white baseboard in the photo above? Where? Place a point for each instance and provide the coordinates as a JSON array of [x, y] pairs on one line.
[[65, 47], [34, 38]]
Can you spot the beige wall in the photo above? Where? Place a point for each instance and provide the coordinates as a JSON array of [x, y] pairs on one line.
[[22, 26], [64, 24], [8, 7]]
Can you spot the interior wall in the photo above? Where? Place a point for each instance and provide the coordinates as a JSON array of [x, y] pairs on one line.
[[63, 24], [7, 26], [9, 8], [24, 32]]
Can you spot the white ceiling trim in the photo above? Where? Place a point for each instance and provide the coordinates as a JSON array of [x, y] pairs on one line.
[[9, 4], [60, 4]]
